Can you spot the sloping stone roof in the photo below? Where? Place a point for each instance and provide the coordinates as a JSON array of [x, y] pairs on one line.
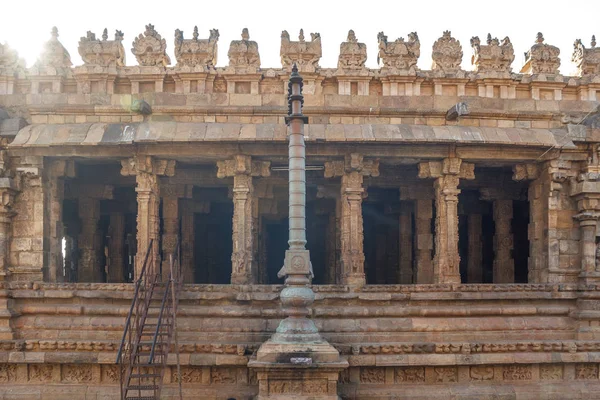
[[165, 132]]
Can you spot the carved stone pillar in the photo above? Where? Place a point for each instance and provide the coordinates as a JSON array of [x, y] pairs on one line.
[[242, 169], [171, 193], [504, 265], [447, 175], [333, 233], [405, 243], [352, 170], [116, 248], [89, 241], [586, 191], [475, 255], [188, 236], [423, 241], [147, 170]]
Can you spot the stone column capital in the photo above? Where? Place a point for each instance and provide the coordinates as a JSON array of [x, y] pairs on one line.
[[449, 166], [589, 217], [147, 164], [353, 162], [242, 164], [525, 172]]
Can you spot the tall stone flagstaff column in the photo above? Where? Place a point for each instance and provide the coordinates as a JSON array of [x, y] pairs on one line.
[[447, 175], [242, 168], [146, 171], [296, 363], [352, 171]]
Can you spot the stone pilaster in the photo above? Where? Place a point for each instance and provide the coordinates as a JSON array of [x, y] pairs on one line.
[[352, 171], [54, 193], [116, 248], [26, 248], [447, 175], [147, 170], [188, 236], [242, 169], [333, 234], [8, 191], [423, 240]]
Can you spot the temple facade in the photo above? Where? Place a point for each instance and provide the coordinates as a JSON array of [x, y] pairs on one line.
[[451, 216]]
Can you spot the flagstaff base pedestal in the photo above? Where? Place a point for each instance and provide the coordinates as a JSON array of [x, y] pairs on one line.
[[304, 371]]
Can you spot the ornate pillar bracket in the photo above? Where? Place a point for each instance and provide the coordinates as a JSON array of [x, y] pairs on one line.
[[296, 355], [352, 170], [447, 175], [242, 168], [147, 169]]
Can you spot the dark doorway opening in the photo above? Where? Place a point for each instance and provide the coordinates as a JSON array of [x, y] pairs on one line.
[[213, 245]]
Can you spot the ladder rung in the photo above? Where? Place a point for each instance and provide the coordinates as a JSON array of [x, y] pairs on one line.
[[142, 387]]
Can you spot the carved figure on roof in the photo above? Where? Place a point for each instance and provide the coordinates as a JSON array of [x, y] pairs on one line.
[[495, 56], [587, 60], [400, 55], [54, 54], [150, 48], [9, 58], [542, 58], [196, 52], [447, 54], [244, 53], [102, 52], [353, 54], [304, 54]]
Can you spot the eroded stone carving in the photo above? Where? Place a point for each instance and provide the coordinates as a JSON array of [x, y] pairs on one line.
[[586, 371], [542, 58], [495, 56], [8, 373], [399, 57], [447, 54], [196, 52], [103, 52], [54, 54], [409, 375], [149, 49], [481, 373], [305, 55], [517, 372], [372, 375], [551, 372], [244, 53], [353, 54], [586, 60]]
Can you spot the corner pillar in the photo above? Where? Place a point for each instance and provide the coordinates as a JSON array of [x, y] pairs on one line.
[[242, 169], [352, 171], [447, 175]]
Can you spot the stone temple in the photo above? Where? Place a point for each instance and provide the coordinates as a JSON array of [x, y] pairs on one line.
[[442, 224]]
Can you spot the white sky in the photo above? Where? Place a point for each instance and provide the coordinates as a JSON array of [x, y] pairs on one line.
[[26, 24]]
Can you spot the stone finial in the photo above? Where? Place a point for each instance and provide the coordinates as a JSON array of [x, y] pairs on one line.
[[586, 60], [196, 53], [150, 48], [541, 58], [447, 54], [54, 54], [495, 57], [353, 54], [399, 56], [103, 52], [244, 53], [305, 54]]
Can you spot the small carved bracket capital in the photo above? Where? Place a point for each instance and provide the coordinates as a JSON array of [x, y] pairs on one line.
[[243, 165], [149, 165], [448, 166], [525, 172], [353, 162]]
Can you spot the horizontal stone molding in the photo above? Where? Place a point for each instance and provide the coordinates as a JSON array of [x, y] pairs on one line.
[[46, 135]]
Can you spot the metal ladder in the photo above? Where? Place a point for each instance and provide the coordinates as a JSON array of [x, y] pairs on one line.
[[149, 330]]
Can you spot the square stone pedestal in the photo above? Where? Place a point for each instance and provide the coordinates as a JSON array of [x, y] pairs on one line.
[[306, 371]]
